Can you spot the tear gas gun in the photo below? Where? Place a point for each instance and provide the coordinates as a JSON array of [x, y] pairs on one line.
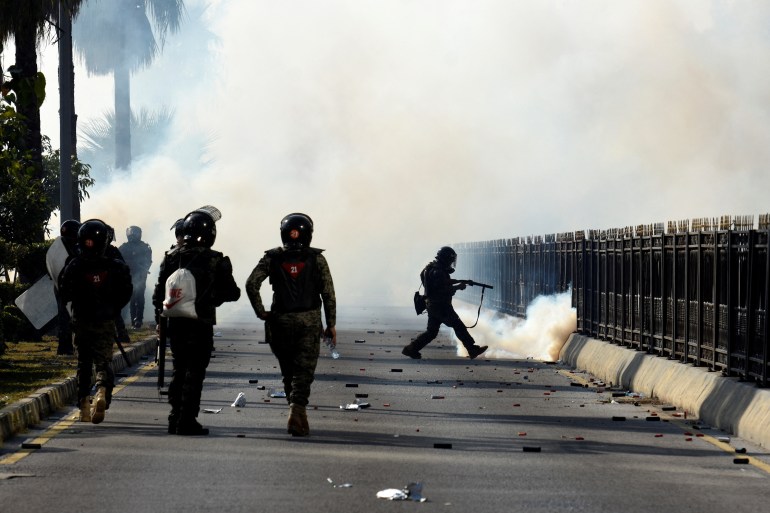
[[475, 284]]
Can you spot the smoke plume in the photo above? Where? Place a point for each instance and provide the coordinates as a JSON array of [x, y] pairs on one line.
[[549, 322]]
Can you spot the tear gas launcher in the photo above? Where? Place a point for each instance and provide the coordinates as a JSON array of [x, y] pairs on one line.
[[475, 284]]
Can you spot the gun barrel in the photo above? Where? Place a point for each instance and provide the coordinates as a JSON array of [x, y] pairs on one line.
[[482, 285]]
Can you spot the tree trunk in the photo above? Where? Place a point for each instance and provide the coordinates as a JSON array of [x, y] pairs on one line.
[[122, 117], [66, 112], [25, 37]]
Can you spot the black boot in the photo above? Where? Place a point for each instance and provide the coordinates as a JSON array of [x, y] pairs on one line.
[[190, 427], [475, 351], [173, 421], [411, 352]]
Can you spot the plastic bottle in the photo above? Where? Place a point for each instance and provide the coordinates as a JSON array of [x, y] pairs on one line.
[[332, 349]]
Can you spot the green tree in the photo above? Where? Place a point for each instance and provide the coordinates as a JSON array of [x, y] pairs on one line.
[[117, 38], [25, 22]]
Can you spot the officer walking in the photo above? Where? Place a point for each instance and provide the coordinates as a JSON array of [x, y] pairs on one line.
[[192, 338], [98, 287], [138, 256], [301, 282], [439, 289]]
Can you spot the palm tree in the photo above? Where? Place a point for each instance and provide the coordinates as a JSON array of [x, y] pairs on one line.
[[26, 22], [116, 37], [97, 137]]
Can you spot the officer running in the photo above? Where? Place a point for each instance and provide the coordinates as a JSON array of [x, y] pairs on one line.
[[98, 287], [439, 289], [301, 281]]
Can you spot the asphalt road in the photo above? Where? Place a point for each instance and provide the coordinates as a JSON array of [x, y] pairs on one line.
[[481, 436]]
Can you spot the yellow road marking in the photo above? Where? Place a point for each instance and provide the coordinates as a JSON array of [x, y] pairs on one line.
[[69, 420]]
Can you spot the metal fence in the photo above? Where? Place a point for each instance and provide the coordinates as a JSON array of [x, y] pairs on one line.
[[696, 292]]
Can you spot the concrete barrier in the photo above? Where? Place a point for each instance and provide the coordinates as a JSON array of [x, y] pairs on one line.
[[19, 416], [739, 408]]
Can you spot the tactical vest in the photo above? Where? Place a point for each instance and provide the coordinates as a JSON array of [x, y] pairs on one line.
[[295, 279]]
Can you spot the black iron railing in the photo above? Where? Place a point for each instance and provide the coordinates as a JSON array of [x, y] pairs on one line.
[[696, 292]]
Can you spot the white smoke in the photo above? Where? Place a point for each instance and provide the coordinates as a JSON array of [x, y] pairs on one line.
[[540, 336], [403, 126]]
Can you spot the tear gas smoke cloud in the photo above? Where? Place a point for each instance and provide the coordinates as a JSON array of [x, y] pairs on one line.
[[402, 126], [549, 322]]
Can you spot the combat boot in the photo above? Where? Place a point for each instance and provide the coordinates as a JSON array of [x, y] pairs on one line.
[[297, 425], [99, 405], [411, 352], [85, 410], [173, 421], [475, 351], [190, 427]]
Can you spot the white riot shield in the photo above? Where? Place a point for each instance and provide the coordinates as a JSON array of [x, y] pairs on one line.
[[55, 259], [38, 302]]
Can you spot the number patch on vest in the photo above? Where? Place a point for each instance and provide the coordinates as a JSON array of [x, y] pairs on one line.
[[293, 268]]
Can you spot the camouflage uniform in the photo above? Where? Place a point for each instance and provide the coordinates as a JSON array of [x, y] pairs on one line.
[[292, 331], [98, 288]]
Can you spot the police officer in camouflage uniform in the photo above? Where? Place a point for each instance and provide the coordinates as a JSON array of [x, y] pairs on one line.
[[301, 282], [138, 256], [192, 340], [439, 290], [98, 287]]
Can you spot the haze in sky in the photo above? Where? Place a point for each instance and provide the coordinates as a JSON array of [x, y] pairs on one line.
[[402, 126]]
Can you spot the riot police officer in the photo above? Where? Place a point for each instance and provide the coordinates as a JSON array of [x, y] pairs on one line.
[[98, 287], [57, 257], [439, 289], [301, 282], [192, 338], [138, 256]]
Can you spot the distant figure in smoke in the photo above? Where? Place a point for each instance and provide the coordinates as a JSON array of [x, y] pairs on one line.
[[98, 287], [138, 256], [301, 281], [192, 337], [58, 256], [439, 289]]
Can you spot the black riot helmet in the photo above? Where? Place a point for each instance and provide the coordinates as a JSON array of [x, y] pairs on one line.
[[93, 237], [296, 231], [198, 229], [447, 257], [133, 234], [69, 229]]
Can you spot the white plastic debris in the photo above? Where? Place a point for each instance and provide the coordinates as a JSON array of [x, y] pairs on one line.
[[343, 485], [277, 393], [412, 492], [392, 494], [357, 405], [211, 410], [240, 401]]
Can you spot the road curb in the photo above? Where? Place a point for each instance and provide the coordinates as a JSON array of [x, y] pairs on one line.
[[726, 403], [19, 416]]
